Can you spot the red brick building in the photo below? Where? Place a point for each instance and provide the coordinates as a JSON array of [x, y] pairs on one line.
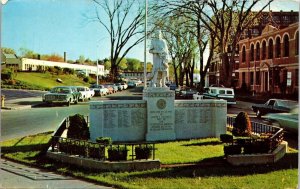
[[269, 62]]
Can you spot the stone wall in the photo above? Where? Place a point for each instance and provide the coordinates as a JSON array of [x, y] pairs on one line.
[[127, 120], [123, 120]]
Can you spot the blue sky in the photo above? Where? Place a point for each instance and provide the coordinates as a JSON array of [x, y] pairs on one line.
[[58, 26]]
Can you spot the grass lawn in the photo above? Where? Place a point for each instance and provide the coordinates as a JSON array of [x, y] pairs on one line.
[[42, 81], [201, 166]]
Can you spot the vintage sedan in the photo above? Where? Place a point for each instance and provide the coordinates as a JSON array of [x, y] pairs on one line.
[[274, 106], [188, 93], [288, 121], [99, 90], [86, 93], [63, 95]]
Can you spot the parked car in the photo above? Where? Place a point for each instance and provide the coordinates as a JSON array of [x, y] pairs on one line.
[[125, 86], [188, 92], [220, 93], [274, 106], [99, 90], [288, 121], [86, 93], [173, 86], [115, 87], [120, 86], [63, 95], [110, 89], [131, 84]]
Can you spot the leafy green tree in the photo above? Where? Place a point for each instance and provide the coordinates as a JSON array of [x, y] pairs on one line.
[[123, 64], [133, 64], [81, 59], [8, 50], [26, 53], [107, 65]]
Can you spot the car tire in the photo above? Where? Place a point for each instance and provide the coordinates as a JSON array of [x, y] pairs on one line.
[[76, 101], [258, 113], [68, 103]]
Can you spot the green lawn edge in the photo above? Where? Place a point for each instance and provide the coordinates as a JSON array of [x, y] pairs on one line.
[[196, 169]]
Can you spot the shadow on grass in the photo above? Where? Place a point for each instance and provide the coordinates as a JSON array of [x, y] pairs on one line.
[[213, 143], [23, 148], [218, 167]]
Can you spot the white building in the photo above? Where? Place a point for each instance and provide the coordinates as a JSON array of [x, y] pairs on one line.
[[27, 64]]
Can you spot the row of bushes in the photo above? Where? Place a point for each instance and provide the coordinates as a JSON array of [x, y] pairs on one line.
[[256, 147], [115, 153]]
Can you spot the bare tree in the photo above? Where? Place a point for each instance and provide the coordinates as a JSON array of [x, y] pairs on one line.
[[224, 20], [188, 33], [123, 20], [227, 20]]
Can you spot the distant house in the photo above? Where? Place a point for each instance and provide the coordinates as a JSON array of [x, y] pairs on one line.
[[10, 60]]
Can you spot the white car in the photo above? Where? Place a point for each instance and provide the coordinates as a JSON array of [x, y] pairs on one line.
[[86, 93]]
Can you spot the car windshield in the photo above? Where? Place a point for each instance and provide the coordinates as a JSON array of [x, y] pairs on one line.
[[64, 90], [287, 103], [80, 89]]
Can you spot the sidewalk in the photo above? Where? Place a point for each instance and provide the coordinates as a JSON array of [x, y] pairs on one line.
[[21, 103], [15, 175]]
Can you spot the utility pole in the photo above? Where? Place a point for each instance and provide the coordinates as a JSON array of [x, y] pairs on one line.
[[97, 73], [145, 46]]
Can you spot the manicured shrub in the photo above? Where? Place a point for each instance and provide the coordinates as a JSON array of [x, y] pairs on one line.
[[257, 147], [104, 140], [143, 152], [242, 125], [232, 149], [86, 79], [96, 151], [78, 128], [226, 138], [117, 153]]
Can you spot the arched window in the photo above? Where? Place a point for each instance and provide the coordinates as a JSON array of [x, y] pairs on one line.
[[286, 45], [270, 49], [244, 54], [264, 50], [277, 48], [297, 43], [257, 51], [252, 53]]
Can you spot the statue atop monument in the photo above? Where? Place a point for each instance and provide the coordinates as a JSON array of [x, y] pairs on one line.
[[160, 53]]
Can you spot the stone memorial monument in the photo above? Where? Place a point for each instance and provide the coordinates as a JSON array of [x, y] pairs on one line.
[[160, 99], [158, 117]]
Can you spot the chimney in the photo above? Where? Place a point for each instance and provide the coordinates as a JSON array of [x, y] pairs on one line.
[[65, 57]]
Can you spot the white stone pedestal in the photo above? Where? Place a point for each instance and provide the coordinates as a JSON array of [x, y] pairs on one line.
[[160, 113]]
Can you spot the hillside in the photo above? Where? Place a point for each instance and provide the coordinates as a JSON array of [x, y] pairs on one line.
[[44, 81]]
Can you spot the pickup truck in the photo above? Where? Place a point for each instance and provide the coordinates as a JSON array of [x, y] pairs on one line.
[[63, 95], [86, 93]]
